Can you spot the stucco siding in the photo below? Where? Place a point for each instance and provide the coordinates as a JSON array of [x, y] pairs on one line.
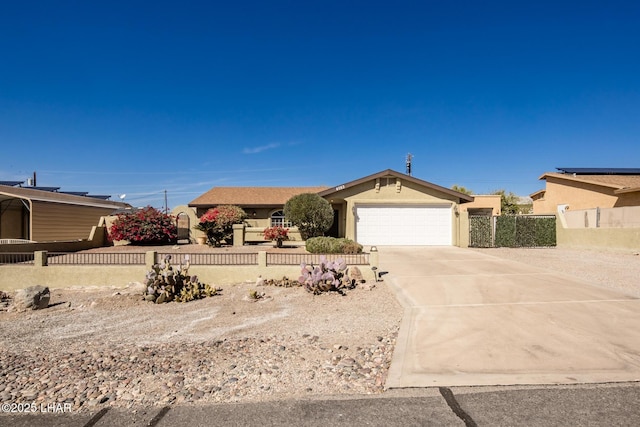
[[628, 199], [484, 202], [575, 194], [389, 191], [55, 221]]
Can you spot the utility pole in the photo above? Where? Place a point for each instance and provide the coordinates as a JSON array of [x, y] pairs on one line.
[[409, 158], [166, 209]]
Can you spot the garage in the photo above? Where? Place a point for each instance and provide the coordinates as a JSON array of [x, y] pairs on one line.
[[404, 225]]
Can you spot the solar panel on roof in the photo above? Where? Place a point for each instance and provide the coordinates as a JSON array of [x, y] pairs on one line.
[[11, 183], [75, 193], [601, 171], [52, 189]]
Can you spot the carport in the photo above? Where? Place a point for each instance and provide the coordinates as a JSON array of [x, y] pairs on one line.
[[44, 214]]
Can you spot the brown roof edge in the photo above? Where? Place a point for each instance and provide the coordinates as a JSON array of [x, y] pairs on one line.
[[578, 178], [537, 192], [464, 198], [627, 190]]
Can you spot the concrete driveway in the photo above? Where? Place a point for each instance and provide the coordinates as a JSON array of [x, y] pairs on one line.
[[474, 319]]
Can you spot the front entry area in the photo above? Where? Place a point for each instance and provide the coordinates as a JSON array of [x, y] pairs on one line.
[[404, 225]]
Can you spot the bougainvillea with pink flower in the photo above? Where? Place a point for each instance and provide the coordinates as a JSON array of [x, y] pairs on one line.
[[277, 234], [144, 226], [218, 222]]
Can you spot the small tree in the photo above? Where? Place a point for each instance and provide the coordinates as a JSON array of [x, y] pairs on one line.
[[218, 222], [309, 212], [461, 189], [508, 202], [144, 226]]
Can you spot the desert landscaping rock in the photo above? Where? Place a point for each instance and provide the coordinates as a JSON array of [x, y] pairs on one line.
[[32, 298], [109, 347]]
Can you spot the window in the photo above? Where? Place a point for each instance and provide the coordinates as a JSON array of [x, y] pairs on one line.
[[278, 220]]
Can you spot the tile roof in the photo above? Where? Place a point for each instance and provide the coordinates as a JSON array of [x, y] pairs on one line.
[[251, 196], [618, 182]]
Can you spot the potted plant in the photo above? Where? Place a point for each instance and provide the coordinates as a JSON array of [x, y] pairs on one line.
[[277, 234]]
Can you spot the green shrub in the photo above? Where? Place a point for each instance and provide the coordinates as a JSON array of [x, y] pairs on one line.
[[309, 212], [332, 245]]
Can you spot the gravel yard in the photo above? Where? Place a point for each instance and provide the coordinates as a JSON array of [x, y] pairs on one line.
[[98, 347]]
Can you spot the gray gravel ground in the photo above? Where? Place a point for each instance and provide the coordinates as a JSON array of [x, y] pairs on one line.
[[107, 347]]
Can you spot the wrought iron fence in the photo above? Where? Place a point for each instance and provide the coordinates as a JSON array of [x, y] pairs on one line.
[[297, 259], [211, 259], [138, 258], [16, 258], [98, 258]]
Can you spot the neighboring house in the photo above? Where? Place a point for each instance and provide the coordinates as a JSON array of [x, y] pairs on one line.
[[586, 188], [483, 204], [45, 214], [386, 208]]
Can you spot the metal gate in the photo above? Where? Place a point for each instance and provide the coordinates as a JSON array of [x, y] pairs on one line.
[[183, 222], [481, 231], [512, 231]]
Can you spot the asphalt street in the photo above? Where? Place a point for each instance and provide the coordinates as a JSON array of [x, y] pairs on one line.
[[575, 405]]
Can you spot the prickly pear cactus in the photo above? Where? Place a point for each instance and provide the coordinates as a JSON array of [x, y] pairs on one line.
[[165, 284], [325, 277]]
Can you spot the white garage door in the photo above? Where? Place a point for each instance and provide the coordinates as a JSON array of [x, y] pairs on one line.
[[403, 225]]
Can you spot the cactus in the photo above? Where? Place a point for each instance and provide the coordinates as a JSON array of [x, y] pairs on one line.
[[164, 284], [285, 282], [325, 277]]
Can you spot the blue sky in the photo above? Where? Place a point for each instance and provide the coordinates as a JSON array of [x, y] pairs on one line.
[[141, 97]]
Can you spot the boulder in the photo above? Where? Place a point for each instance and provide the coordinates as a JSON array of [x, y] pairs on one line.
[[33, 297], [356, 274]]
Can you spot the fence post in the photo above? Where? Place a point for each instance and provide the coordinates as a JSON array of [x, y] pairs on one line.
[[40, 258], [262, 259], [150, 259], [464, 230], [373, 257], [238, 234]]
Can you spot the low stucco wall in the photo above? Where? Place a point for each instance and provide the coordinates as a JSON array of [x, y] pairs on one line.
[[97, 239], [13, 277], [616, 239], [256, 234], [623, 217]]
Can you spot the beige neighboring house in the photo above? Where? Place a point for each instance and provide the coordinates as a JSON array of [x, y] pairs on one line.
[[45, 214], [587, 188], [483, 204], [386, 208]]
